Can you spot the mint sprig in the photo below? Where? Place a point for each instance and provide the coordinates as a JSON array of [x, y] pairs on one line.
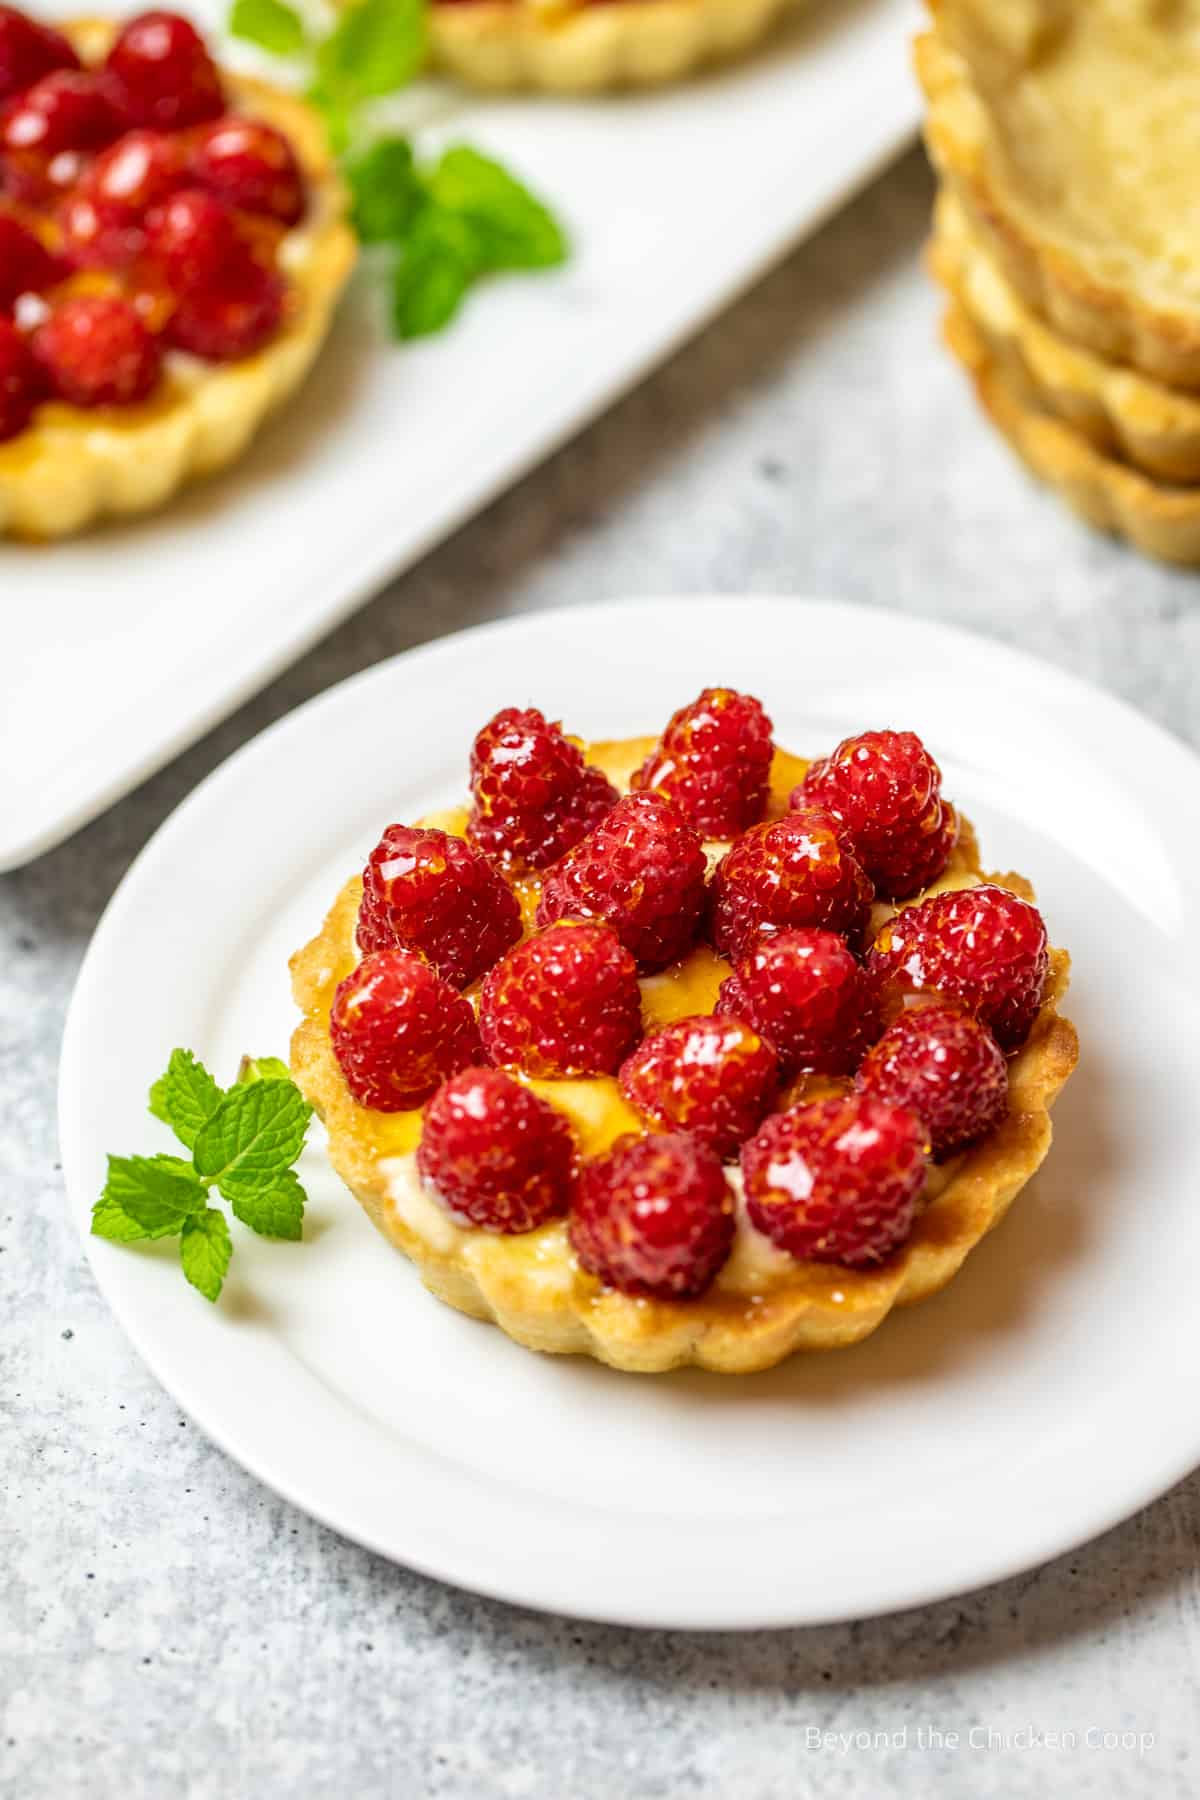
[[446, 223], [243, 1140]]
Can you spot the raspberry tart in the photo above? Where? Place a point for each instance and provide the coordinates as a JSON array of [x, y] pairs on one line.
[[685, 1050], [173, 242], [584, 46]]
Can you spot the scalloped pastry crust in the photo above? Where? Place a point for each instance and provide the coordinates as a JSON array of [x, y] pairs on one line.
[[764, 1305], [1070, 131], [570, 48], [72, 467], [1163, 521]]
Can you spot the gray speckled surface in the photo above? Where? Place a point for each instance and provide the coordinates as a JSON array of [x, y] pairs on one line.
[[166, 1625]]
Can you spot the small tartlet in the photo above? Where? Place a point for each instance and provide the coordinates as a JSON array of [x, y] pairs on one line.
[[70, 468], [764, 1305], [569, 47]]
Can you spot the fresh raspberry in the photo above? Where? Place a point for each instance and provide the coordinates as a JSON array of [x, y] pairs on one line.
[[982, 946], [946, 1067], [642, 870], [564, 1002], [532, 795], [26, 266], [102, 217], [192, 237], [28, 51], [884, 789], [713, 1078], [838, 1180], [399, 1031], [21, 384], [232, 317], [794, 871], [252, 166], [68, 110], [498, 1154], [33, 178], [426, 891], [653, 1216], [714, 761], [808, 997], [97, 352], [164, 73]]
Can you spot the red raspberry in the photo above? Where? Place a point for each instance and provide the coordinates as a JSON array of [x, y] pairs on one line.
[[982, 946], [884, 789], [808, 997], [21, 385], [68, 110], [497, 1153], [192, 237], [532, 795], [564, 1002], [97, 352], [102, 218], [641, 869], [426, 891], [164, 73], [28, 51], [252, 166], [26, 266], [793, 871], [232, 317], [838, 1180], [947, 1068], [714, 762], [653, 1216], [399, 1031], [713, 1078]]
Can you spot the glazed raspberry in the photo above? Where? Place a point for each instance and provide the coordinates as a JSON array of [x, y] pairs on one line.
[[808, 997], [164, 74], [982, 946], [641, 869], [499, 1155], [26, 266], [102, 218], [794, 871], [252, 166], [713, 1078], [97, 352], [946, 1067], [564, 1002], [192, 237], [714, 762], [20, 381], [426, 891], [28, 51], [836, 1181], [884, 789], [230, 318], [68, 110], [532, 795], [654, 1216], [399, 1031]]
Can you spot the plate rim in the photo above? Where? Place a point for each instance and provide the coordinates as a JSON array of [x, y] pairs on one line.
[[920, 1590]]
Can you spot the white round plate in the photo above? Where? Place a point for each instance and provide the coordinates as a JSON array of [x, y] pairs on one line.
[[1044, 1396]]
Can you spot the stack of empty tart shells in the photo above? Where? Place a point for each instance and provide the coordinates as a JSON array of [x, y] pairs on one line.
[[1066, 135]]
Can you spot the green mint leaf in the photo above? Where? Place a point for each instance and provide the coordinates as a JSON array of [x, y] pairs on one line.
[[185, 1096], [269, 24], [385, 190], [338, 116], [274, 1212], [111, 1221], [441, 259], [205, 1248], [254, 1135], [263, 1068], [376, 47], [157, 1193], [512, 228]]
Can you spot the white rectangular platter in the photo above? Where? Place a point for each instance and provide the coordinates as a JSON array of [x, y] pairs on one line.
[[126, 645]]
